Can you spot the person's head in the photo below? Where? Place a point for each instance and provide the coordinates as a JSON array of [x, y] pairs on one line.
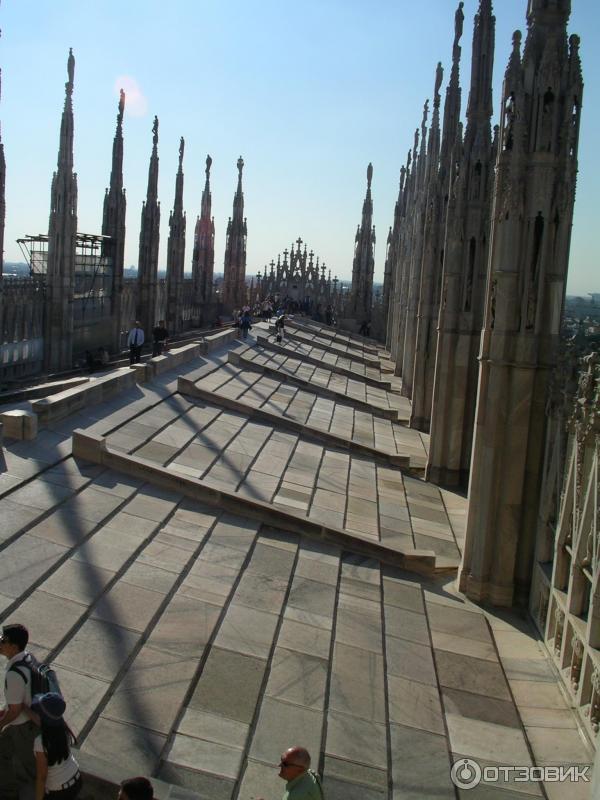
[[136, 324], [57, 737], [294, 762], [136, 789], [13, 640], [161, 322]]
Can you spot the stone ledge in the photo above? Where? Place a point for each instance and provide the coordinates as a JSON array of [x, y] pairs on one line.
[[188, 387], [95, 449], [173, 358], [263, 341], [96, 390], [19, 424], [215, 340], [236, 357]]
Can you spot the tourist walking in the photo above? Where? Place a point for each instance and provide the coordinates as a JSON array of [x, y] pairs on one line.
[[159, 338], [301, 783], [57, 772], [245, 324], [280, 327], [135, 340], [17, 731]]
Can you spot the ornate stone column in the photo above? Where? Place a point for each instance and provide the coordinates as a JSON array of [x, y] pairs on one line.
[[529, 251], [433, 249], [465, 266]]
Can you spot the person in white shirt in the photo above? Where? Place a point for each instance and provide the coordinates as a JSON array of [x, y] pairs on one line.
[[17, 731], [135, 340], [57, 772]]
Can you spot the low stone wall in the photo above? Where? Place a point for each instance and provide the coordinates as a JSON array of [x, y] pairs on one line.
[[215, 340], [97, 390], [19, 424], [157, 365]]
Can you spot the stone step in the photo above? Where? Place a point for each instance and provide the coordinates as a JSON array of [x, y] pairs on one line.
[[281, 515], [329, 346], [187, 387], [346, 337], [252, 357], [316, 360], [229, 451]]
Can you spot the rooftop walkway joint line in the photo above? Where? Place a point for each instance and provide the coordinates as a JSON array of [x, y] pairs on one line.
[[200, 620]]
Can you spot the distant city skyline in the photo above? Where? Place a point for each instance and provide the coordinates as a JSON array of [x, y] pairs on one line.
[[307, 95]]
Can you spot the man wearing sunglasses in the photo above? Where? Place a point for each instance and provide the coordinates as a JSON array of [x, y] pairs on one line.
[[301, 782]]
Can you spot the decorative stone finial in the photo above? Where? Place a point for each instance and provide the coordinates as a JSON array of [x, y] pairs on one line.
[[240, 166], [155, 131], [439, 77], [121, 105], [181, 149], [369, 175], [70, 70], [574, 42], [208, 166], [459, 19], [425, 114], [516, 40]]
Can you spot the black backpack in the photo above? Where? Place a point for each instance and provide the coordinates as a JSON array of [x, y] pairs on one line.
[[42, 677]]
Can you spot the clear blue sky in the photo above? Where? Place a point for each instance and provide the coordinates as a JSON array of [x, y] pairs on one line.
[[308, 93]]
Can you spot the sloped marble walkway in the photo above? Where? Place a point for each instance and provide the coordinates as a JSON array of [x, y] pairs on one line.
[[194, 645]]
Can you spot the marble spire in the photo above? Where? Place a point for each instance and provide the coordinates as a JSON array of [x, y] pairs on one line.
[[203, 258], [176, 253], [62, 241], [234, 267], [113, 225], [149, 243]]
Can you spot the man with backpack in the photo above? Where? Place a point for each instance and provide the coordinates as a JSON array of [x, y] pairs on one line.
[[17, 731]]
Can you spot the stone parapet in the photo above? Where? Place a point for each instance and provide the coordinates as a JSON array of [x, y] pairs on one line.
[[97, 390], [215, 340], [18, 424]]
